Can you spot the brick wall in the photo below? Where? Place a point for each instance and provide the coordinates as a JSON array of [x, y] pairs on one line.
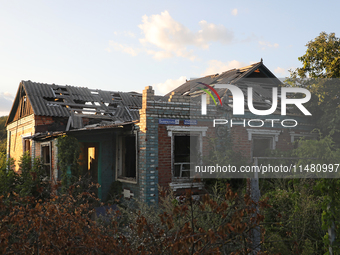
[[164, 157], [148, 150], [240, 141], [43, 120], [155, 157], [16, 131]]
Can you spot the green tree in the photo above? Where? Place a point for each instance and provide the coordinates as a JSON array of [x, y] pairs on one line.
[[322, 58], [28, 181], [326, 153], [3, 134], [320, 73]]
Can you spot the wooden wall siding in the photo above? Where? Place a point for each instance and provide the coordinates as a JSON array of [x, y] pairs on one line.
[[24, 108]]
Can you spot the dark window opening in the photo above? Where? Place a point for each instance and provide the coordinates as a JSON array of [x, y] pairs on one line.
[[27, 146], [46, 159], [53, 99], [261, 146], [127, 158], [60, 91], [185, 149]]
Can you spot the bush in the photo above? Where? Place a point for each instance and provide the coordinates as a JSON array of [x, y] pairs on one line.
[[219, 224], [28, 181]]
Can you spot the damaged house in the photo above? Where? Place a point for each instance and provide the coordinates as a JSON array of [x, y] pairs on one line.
[[142, 140]]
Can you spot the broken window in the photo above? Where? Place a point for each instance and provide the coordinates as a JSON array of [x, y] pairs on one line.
[[182, 154], [46, 159], [127, 156], [89, 159], [27, 146], [261, 145]]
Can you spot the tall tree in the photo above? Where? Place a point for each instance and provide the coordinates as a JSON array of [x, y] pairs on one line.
[[321, 64], [322, 58], [3, 134]]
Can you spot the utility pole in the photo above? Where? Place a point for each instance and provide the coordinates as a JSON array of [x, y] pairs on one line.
[[255, 196]]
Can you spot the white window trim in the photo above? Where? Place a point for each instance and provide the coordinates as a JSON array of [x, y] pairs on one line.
[[172, 131], [293, 136], [265, 133], [23, 138]]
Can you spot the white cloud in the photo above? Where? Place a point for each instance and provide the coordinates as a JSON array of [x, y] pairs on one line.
[[169, 85], [125, 33], [7, 95], [172, 38], [129, 34], [123, 48], [265, 45], [280, 71], [216, 66], [6, 101], [234, 12]]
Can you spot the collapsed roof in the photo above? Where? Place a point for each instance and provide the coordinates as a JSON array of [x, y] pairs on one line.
[[75, 103], [107, 108], [257, 76]]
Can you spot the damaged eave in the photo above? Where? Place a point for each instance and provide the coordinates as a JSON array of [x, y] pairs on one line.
[[80, 106], [49, 135], [106, 127], [45, 136]]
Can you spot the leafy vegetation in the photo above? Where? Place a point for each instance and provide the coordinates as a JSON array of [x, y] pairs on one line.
[[321, 65], [321, 62], [302, 212], [3, 134], [68, 156], [38, 220]]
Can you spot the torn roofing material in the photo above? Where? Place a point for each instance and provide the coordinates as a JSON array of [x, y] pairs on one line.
[[257, 76], [79, 102]]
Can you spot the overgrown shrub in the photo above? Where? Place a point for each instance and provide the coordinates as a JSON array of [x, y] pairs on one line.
[[219, 224], [68, 156], [28, 181]]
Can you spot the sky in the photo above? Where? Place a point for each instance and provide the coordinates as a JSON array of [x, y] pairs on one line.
[[128, 45]]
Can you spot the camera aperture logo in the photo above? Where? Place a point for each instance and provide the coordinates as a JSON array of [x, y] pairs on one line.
[[238, 104]]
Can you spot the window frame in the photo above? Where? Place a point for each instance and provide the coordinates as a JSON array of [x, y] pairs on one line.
[[258, 137], [263, 134], [26, 138], [182, 131], [295, 137], [119, 157], [173, 143], [49, 145]]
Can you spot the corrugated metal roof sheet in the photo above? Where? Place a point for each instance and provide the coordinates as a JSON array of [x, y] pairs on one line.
[[64, 101], [261, 91]]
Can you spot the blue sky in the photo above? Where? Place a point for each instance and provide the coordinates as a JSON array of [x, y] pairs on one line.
[[127, 45]]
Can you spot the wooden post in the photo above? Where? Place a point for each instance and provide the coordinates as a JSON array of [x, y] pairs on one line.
[[255, 196]]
